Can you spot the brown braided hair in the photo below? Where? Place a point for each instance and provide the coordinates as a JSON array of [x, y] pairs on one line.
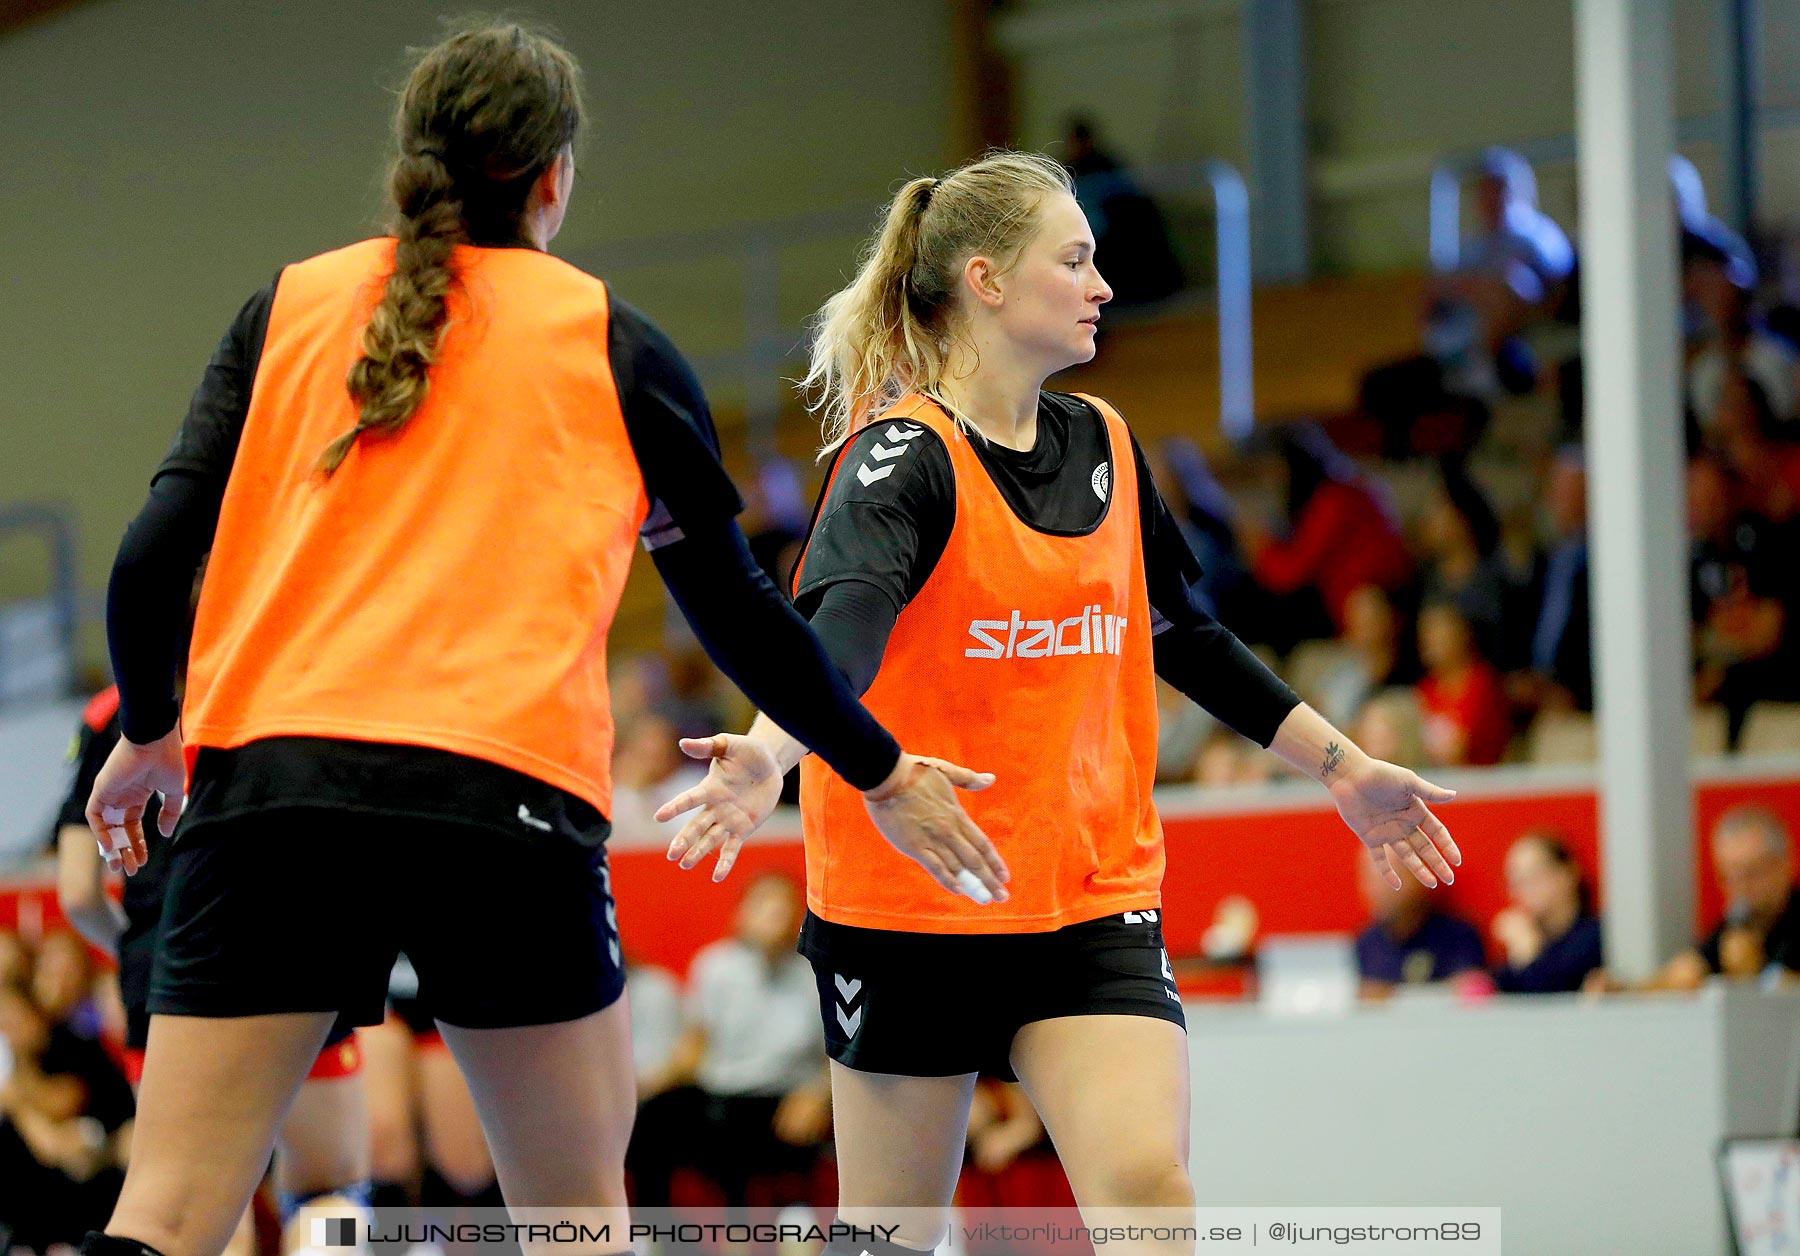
[[482, 117]]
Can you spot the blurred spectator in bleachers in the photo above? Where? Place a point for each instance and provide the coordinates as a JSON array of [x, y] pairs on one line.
[[637, 684], [1129, 231], [60, 1110], [648, 770], [1410, 940], [1759, 937], [1391, 726], [1764, 459], [1508, 275], [1701, 240], [1728, 341], [1561, 672], [1745, 588], [1468, 720], [1460, 560], [700, 700], [1010, 1162], [1204, 511], [1549, 933], [1514, 231], [1369, 655], [1782, 289], [1002, 1126], [1181, 727], [15, 960], [1521, 562], [1340, 534], [747, 1095], [62, 991], [1225, 758], [656, 1024], [62, 982], [1700, 231], [776, 520]]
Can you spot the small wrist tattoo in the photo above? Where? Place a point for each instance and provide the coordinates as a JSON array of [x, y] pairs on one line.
[[1334, 758]]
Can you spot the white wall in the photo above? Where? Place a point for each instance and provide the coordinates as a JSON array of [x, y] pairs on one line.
[[160, 159]]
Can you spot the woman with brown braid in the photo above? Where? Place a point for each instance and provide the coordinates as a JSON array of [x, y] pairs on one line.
[[420, 464]]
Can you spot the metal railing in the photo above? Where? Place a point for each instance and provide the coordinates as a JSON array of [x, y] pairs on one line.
[[761, 256]]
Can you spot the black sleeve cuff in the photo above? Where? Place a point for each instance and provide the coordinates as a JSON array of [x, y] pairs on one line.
[[853, 621]]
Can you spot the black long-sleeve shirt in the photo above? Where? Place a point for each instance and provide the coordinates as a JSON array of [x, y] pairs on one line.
[[745, 624], [875, 542]]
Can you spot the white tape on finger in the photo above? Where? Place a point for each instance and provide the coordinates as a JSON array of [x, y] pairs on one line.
[[971, 885], [121, 840], [113, 815]]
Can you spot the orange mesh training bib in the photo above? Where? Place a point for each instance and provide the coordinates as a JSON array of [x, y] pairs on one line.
[[1026, 655], [450, 586]]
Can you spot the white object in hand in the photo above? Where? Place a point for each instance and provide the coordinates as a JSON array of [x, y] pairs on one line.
[[971, 885], [121, 840]]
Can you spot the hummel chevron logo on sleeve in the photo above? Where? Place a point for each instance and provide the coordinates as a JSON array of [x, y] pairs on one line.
[[869, 472]]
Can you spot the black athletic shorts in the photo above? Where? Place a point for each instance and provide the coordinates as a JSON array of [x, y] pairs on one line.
[[137, 958], [135, 966], [940, 1005], [305, 909]]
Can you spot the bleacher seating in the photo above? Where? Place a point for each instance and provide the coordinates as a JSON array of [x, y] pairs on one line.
[[1313, 343], [1563, 737], [1771, 728]]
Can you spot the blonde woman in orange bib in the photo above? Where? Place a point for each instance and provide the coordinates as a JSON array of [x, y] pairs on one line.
[[991, 566]]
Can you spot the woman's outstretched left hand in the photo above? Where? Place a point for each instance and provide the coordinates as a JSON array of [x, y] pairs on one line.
[[1385, 805]]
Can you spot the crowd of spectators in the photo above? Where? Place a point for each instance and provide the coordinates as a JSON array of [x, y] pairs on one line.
[[1547, 939], [65, 1106], [1448, 628]]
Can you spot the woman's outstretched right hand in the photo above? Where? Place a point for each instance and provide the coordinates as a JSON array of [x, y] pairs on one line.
[[742, 786], [917, 811]]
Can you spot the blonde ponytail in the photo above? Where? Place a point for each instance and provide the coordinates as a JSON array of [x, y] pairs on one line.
[[892, 331]]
